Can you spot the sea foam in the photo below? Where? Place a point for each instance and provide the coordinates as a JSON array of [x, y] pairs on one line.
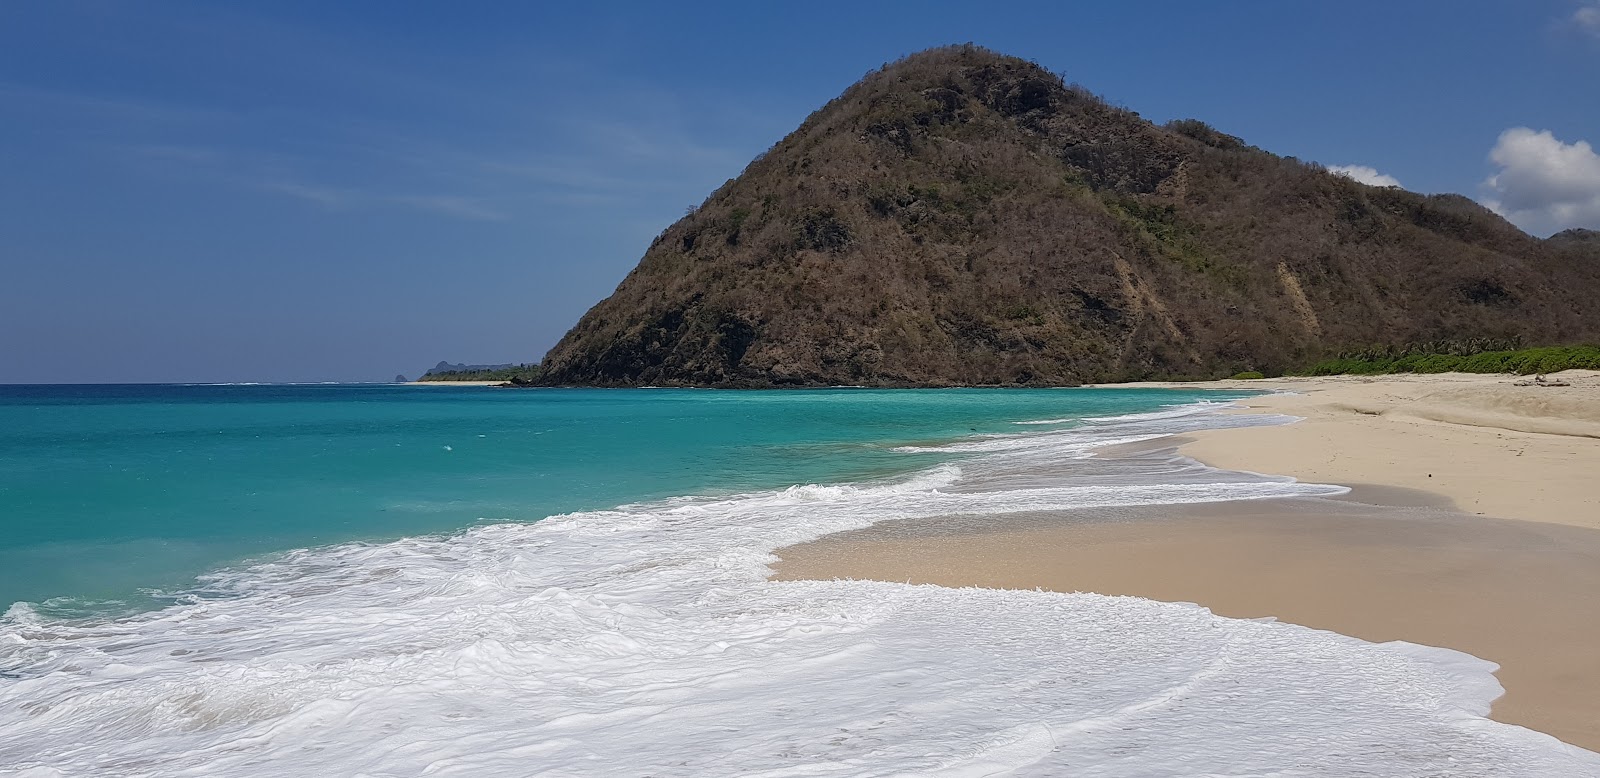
[[647, 640]]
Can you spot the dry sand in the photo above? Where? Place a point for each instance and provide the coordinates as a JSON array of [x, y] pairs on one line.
[[1524, 593], [1492, 447]]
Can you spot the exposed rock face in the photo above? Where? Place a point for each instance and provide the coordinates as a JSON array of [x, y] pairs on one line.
[[962, 217]]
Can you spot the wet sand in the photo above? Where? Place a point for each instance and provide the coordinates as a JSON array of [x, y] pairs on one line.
[[1521, 594], [1473, 524]]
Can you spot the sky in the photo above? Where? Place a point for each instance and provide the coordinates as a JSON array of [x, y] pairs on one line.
[[312, 191]]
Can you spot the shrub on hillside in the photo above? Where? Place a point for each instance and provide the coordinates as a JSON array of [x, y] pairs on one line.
[[1549, 359]]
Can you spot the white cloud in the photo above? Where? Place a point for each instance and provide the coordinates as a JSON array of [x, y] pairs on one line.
[[1366, 175], [344, 199], [450, 205], [1587, 19], [1544, 185]]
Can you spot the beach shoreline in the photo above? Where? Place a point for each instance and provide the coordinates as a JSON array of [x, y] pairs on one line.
[[1469, 527]]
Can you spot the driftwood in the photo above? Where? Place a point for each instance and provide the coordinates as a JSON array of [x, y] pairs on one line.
[[1540, 380]]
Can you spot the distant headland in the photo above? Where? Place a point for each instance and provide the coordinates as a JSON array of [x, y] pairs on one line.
[[510, 373]]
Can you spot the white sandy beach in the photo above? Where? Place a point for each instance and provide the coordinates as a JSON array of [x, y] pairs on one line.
[[1492, 447]]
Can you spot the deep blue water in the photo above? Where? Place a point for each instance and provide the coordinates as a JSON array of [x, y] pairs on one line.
[[113, 497]]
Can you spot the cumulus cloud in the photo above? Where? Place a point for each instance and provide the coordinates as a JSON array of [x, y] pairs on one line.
[[1587, 19], [1544, 185], [1364, 174]]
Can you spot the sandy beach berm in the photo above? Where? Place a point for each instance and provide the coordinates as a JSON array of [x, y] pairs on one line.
[[1473, 524]]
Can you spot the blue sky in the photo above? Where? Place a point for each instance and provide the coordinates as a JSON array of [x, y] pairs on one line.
[[343, 191]]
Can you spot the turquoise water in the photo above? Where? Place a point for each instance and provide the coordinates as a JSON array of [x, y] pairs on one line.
[[111, 496], [471, 632]]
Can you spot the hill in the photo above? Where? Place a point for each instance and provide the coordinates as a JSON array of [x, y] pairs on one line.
[[963, 217], [1577, 241]]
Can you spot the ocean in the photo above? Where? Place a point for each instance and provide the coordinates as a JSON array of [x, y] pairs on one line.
[[389, 580]]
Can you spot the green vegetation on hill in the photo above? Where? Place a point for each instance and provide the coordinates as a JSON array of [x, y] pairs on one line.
[[516, 374], [1550, 359], [960, 217]]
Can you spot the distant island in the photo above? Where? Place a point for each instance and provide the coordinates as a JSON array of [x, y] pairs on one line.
[[518, 374], [446, 367], [961, 217]]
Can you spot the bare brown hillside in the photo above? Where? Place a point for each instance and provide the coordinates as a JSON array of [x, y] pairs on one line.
[[962, 217]]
